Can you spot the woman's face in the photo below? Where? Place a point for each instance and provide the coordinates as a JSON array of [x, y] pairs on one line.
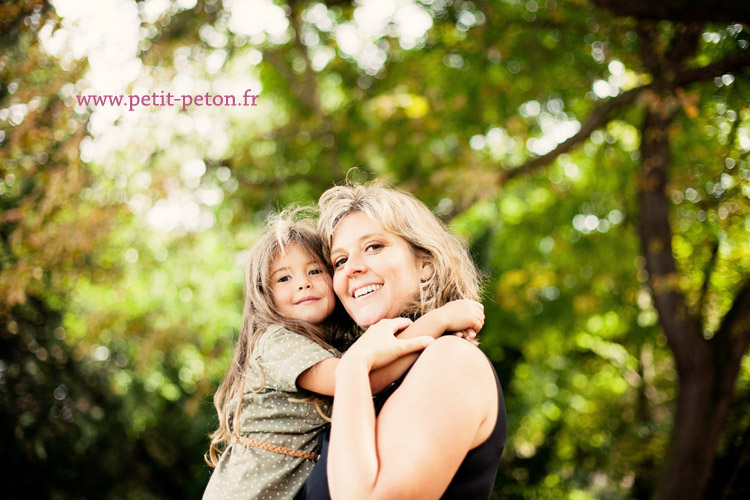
[[375, 272]]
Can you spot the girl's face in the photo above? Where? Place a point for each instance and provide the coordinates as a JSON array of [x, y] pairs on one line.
[[301, 286], [375, 272]]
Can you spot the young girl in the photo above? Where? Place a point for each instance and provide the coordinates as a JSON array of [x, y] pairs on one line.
[[269, 419]]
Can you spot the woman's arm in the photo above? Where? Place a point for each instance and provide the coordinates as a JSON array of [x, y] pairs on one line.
[[445, 407], [455, 316]]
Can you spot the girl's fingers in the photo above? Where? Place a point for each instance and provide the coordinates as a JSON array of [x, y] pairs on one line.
[[389, 326], [400, 323], [386, 350], [468, 334]]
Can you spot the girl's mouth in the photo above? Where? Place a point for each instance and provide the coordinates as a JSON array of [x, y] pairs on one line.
[[307, 300]]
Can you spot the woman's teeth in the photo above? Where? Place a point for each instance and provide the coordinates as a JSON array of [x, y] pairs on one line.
[[365, 290]]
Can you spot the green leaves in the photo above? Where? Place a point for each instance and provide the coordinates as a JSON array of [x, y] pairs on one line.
[[126, 231]]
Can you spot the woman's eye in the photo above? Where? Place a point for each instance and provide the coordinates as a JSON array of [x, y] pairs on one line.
[[339, 262], [374, 246]]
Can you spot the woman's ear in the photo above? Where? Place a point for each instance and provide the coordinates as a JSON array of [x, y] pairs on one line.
[[426, 269]]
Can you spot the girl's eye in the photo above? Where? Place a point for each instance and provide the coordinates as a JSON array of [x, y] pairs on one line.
[[284, 279], [339, 262], [314, 272]]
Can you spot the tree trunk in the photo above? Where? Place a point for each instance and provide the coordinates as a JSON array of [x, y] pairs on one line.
[[688, 460], [707, 370]]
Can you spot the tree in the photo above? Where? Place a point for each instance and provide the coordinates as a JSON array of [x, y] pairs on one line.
[[707, 367], [594, 153]]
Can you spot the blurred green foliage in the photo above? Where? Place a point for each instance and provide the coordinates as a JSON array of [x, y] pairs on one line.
[[123, 244]]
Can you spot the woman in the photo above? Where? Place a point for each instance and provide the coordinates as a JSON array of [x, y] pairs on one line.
[[440, 430]]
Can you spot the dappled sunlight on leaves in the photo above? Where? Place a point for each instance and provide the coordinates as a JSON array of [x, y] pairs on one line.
[[125, 232]]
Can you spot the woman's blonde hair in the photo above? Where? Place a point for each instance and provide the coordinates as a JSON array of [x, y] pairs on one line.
[[455, 276], [287, 229]]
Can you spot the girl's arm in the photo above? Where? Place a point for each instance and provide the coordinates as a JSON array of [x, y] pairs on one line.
[[455, 316], [444, 408], [458, 315]]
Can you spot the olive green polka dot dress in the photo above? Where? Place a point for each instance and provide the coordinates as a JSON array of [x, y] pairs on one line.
[[274, 417]]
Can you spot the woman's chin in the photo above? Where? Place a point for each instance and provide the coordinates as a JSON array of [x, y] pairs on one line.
[[368, 312], [366, 319]]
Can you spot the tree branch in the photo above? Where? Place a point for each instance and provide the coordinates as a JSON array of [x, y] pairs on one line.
[[304, 88], [680, 10], [649, 49], [743, 460], [309, 88], [683, 334], [685, 43], [12, 15], [732, 62], [601, 114], [598, 118], [709, 271], [732, 339]]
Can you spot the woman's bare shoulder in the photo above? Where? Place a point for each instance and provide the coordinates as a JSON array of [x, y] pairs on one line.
[[454, 375], [451, 358], [457, 351]]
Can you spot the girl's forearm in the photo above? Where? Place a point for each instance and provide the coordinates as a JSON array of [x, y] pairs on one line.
[[386, 375], [353, 459], [431, 323]]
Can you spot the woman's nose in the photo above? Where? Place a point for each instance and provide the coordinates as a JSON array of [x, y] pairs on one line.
[[355, 265]]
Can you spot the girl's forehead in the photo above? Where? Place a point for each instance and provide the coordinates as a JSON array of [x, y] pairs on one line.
[[293, 249]]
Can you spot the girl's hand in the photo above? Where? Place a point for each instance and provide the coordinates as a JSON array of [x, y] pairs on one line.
[[464, 317], [378, 346], [468, 334]]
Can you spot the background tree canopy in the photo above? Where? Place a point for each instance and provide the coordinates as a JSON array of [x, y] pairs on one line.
[[595, 155]]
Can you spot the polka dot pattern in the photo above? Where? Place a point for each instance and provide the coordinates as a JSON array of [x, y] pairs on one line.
[[273, 415]]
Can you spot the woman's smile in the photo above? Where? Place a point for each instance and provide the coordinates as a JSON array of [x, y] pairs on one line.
[[366, 290]]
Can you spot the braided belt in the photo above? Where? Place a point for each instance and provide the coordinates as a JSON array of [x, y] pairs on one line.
[[277, 449]]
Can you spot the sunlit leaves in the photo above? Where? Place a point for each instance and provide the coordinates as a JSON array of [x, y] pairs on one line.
[[133, 226]]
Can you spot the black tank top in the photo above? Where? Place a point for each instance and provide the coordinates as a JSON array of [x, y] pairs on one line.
[[473, 479]]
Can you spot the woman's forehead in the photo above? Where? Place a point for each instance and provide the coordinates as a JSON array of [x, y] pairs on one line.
[[355, 226], [354, 223]]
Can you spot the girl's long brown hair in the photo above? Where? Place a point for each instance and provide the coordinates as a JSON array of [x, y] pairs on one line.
[[282, 232]]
